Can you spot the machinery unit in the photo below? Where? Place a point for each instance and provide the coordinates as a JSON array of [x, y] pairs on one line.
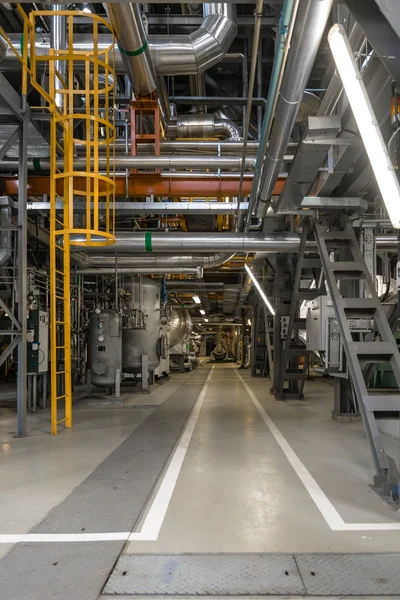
[[38, 341], [180, 329], [141, 325], [105, 348]]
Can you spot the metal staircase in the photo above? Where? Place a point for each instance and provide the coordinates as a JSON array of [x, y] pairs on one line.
[[293, 366], [332, 246], [261, 363]]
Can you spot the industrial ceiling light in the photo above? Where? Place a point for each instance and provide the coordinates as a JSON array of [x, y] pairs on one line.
[[206, 320], [366, 121], [202, 312], [197, 299], [260, 291], [249, 322]]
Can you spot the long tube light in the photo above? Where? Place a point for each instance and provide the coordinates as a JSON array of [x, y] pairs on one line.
[[366, 121], [196, 299], [260, 291], [202, 311]]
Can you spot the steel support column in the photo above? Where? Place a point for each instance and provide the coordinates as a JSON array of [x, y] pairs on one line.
[[22, 273]]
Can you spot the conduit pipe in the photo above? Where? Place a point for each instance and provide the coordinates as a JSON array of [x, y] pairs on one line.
[[312, 16], [168, 242]]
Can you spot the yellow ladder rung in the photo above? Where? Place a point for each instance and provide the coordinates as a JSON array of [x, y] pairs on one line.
[[60, 323], [60, 248], [60, 297], [60, 347], [61, 421], [59, 372], [59, 272], [59, 397]]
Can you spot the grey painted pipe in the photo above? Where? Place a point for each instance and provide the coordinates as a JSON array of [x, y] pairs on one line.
[[144, 162], [169, 242], [197, 271], [310, 24], [152, 261]]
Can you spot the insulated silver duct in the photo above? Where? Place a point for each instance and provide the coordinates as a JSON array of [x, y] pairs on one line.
[[169, 242], [200, 50], [127, 23], [310, 24], [206, 126]]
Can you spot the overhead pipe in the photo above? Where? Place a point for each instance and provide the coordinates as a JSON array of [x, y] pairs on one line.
[[209, 261], [206, 126], [312, 17], [197, 271], [141, 162], [126, 20], [286, 25], [254, 55], [168, 242]]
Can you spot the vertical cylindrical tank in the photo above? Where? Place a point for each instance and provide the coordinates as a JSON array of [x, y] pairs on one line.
[[140, 340], [104, 347]]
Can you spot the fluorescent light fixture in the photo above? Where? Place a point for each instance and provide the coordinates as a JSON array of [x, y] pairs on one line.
[[366, 121], [197, 299], [202, 312], [249, 322], [263, 296], [206, 320], [86, 10]]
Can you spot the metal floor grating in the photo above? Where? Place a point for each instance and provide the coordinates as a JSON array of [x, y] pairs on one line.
[[255, 575], [38, 146]]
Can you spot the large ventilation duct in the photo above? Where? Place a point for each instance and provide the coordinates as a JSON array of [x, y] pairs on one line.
[[200, 50], [310, 24], [168, 242]]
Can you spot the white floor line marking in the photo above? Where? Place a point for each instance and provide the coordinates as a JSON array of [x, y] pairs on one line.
[[155, 517], [18, 538], [322, 502]]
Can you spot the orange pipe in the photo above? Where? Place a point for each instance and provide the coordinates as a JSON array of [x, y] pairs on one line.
[[144, 185]]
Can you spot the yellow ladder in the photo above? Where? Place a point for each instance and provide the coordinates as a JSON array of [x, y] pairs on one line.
[[97, 77]]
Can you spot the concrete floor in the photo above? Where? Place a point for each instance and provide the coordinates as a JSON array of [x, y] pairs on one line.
[[235, 492]]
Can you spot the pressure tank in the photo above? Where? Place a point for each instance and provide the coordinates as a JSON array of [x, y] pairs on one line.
[[180, 325], [141, 326], [104, 347]]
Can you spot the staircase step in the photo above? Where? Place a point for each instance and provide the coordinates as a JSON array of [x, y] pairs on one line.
[[359, 307], [310, 263], [373, 351], [382, 402]]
